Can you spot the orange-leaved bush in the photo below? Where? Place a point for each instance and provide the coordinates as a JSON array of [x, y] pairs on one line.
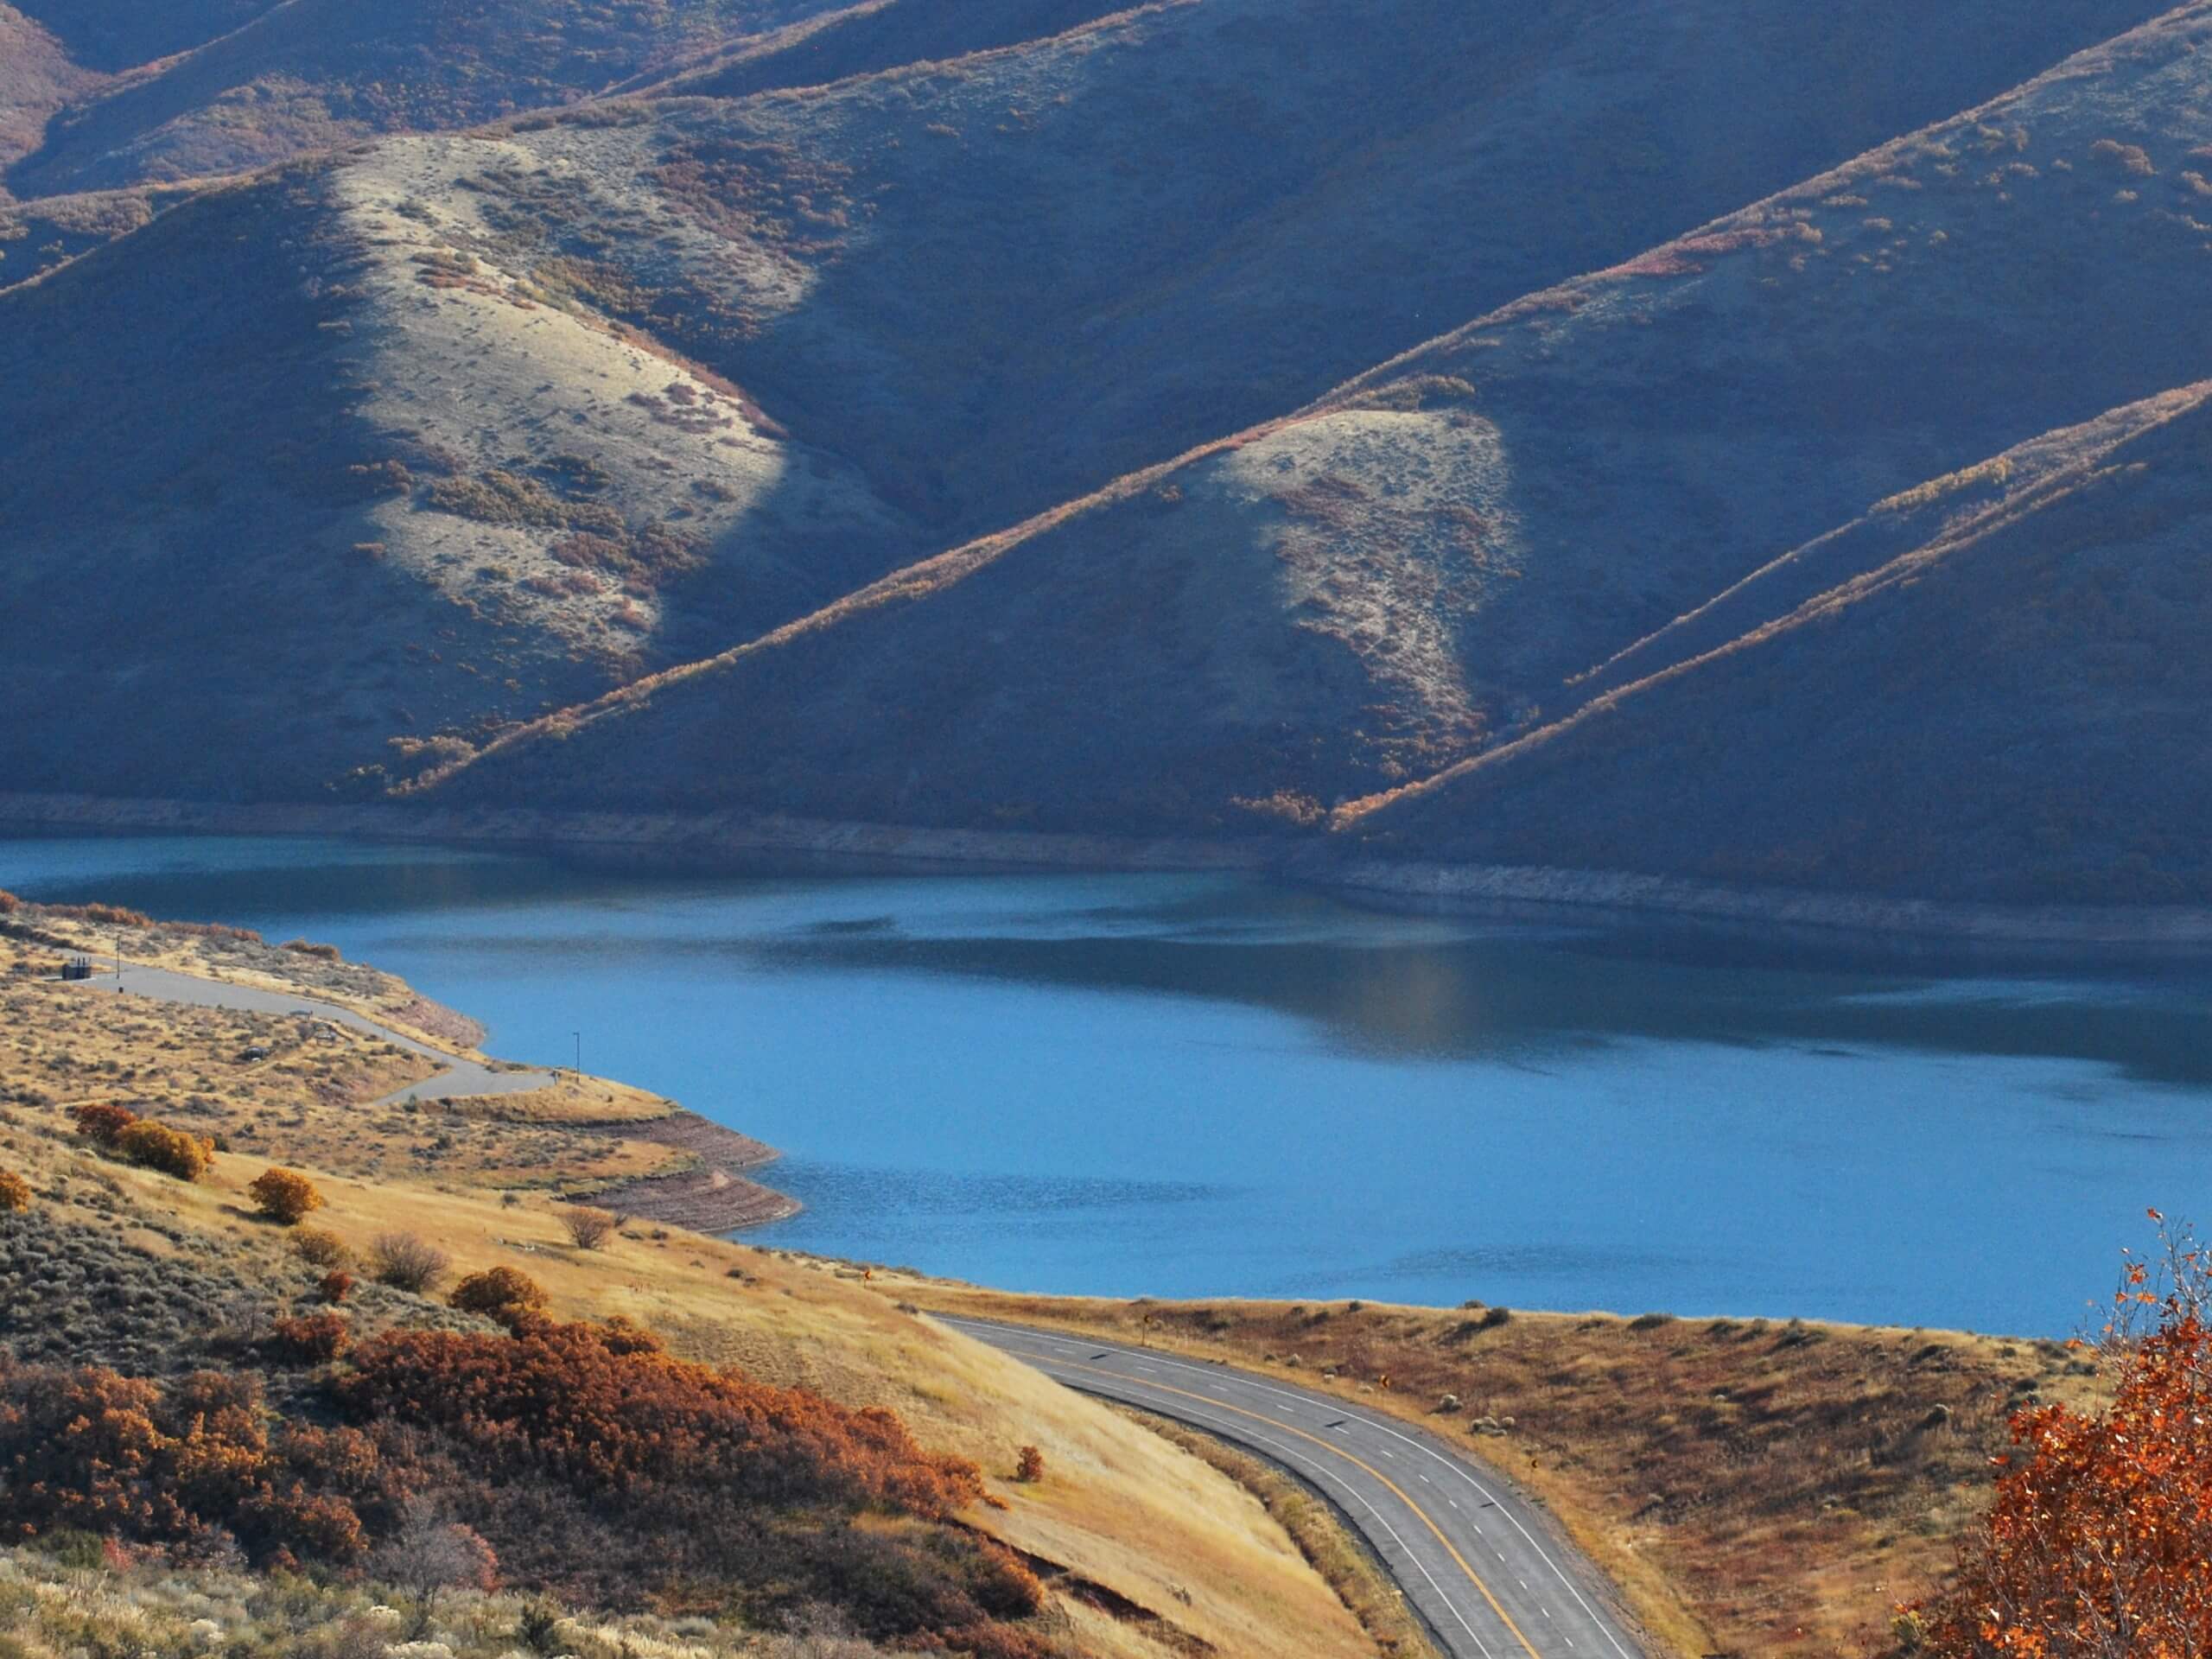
[[310, 1339], [101, 1123], [173, 1151], [2099, 1542], [14, 1192], [506, 1296], [285, 1196], [588, 1407], [181, 1462]]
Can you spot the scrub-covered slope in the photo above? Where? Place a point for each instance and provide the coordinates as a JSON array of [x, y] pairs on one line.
[[2014, 709], [239, 86], [294, 486], [340, 472], [1426, 564]]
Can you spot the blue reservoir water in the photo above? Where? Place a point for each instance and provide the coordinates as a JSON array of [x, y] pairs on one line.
[[1201, 1085]]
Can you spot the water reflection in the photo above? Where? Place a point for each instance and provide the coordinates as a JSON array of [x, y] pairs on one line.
[[1202, 1086]]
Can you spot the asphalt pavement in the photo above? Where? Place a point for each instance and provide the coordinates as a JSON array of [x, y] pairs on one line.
[[1490, 1576], [459, 1078]]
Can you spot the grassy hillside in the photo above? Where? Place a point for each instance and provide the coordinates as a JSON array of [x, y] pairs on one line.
[[2005, 709], [313, 74], [1424, 565], [1768, 1489], [1143, 1550]]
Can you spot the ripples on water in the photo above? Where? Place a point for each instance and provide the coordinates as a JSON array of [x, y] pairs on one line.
[[1205, 1085]]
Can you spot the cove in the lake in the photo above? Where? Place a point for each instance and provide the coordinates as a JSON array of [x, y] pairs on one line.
[[1206, 1085]]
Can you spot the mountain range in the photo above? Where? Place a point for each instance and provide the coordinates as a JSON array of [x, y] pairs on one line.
[[1736, 440]]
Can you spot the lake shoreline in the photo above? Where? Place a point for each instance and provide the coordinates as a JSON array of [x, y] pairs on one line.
[[750, 844]]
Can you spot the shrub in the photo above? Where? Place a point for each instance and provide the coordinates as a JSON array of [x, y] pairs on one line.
[[308, 948], [1031, 1468], [311, 1338], [173, 1151], [505, 1295], [428, 1557], [562, 1402], [285, 1196], [14, 1192], [320, 1248], [2096, 1539], [101, 1123], [183, 1464], [539, 1627], [406, 1262], [588, 1229], [335, 1287]]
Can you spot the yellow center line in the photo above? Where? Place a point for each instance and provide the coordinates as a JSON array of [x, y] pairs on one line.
[[1474, 1577]]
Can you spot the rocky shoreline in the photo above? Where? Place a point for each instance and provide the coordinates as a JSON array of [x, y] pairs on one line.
[[742, 843], [710, 1196]]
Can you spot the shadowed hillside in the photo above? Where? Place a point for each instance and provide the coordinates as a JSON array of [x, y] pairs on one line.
[[311, 554], [613, 389], [1424, 565], [2011, 709], [311, 73]]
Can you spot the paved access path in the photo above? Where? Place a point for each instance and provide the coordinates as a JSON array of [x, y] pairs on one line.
[[459, 1078], [1490, 1577]]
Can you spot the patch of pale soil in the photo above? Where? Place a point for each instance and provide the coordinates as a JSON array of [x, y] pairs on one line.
[[1390, 529], [469, 358]]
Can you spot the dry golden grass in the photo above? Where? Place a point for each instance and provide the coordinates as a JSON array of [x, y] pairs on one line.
[[1148, 1551], [1352, 1572], [1765, 1490]]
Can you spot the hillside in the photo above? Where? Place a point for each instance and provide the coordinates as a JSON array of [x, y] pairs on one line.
[[1144, 1551], [310, 74], [1775, 1491], [2004, 710], [306, 553], [1424, 565], [744, 356]]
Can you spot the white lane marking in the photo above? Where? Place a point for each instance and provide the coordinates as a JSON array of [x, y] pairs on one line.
[[1456, 1468], [1328, 1476]]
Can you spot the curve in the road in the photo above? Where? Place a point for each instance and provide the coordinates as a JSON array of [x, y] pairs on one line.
[[1500, 1590], [459, 1078]]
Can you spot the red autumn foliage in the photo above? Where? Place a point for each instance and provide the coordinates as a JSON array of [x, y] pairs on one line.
[[586, 1459], [101, 1123], [562, 1402], [179, 1464], [335, 1285], [2097, 1543], [154, 1145], [506, 1296], [311, 1338]]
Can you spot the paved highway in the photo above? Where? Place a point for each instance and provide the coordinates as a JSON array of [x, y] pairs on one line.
[[1490, 1576], [460, 1079]]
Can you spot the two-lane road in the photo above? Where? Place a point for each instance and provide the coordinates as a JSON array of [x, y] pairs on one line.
[[1490, 1578]]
